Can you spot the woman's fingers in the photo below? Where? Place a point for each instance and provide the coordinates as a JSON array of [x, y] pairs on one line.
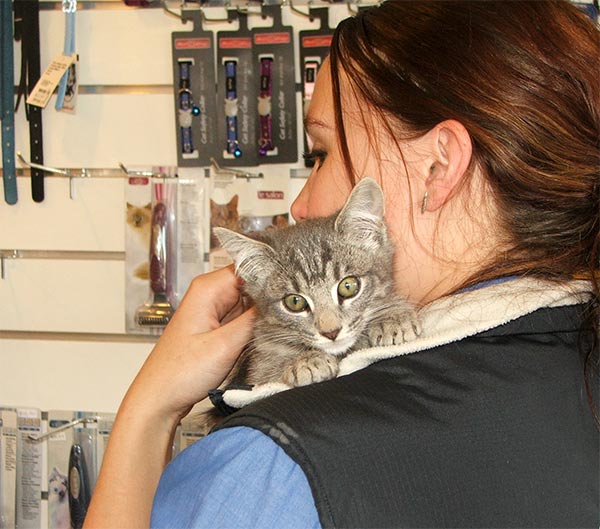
[[209, 298], [219, 349]]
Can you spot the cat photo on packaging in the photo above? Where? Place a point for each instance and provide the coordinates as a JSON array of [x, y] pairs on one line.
[[227, 215], [323, 288]]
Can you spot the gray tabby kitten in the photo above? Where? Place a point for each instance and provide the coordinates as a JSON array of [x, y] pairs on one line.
[[322, 288]]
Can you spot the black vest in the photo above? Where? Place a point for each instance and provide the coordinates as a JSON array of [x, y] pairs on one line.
[[491, 431]]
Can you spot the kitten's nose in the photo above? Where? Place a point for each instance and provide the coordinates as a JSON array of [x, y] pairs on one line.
[[332, 335]]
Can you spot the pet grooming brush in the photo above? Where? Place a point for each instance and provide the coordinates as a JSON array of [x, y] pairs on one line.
[[158, 311], [79, 487]]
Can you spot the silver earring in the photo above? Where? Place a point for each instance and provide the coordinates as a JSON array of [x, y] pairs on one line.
[[424, 203]]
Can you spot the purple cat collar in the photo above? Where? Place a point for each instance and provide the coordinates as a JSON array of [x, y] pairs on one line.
[[264, 106], [231, 108]]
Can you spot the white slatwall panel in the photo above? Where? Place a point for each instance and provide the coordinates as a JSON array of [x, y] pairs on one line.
[[91, 221], [62, 374], [116, 47], [120, 47], [65, 296], [107, 129]]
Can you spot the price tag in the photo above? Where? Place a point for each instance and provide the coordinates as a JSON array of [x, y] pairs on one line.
[[49, 80]]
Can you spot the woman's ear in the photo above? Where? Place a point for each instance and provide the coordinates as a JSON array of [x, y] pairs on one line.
[[451, 151]]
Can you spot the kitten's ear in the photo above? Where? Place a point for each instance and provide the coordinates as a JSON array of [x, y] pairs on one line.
[[253, 259], [363, 212]]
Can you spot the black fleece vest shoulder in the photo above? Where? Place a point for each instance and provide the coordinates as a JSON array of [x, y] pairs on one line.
[[490, 431]]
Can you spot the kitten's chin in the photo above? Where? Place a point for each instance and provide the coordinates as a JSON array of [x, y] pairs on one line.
[[337, 347]]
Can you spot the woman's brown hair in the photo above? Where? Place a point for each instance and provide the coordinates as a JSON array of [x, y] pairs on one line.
[[523, 77]]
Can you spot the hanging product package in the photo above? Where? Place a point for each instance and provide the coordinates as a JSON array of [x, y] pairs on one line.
[[192, 226], [237, 104], [150, 251], [29, 469], [314, 48], [274, 59], [58, 448], [8, 467], [195, 98], [246, 205], [75, 447]]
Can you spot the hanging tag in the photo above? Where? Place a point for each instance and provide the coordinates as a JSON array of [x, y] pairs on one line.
[[49, 80], [69, 102]]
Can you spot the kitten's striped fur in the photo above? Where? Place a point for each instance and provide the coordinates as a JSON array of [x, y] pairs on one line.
[[310, 259]]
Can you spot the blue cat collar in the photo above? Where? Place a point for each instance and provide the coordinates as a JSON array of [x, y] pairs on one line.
[[67, 81], [187, 109]]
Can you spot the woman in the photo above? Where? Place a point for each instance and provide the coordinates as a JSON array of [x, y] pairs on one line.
[[480, 121]]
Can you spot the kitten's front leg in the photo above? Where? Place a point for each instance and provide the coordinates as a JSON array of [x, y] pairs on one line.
[[311, 367], [398, 324]]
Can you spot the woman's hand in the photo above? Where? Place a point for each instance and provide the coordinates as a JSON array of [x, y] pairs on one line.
[[197, 349], [194, 354]]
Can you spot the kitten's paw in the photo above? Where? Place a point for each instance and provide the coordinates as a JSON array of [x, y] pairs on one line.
[[395, 331], [311, 368]]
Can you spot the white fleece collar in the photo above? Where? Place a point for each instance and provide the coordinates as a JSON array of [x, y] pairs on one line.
[[450, 319]]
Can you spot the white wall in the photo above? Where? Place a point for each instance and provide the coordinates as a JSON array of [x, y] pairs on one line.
[[62, 329]]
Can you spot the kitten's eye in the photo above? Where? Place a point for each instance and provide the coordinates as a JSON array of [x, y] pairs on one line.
[[295, 303], [348, 287]]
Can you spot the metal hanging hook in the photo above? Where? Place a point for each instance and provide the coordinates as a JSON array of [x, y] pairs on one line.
[[135, 173], [45, 168], [234, 172], [69, 6], [63, 172], [247, 10], [168, 10], [296, 10], [81, 420]]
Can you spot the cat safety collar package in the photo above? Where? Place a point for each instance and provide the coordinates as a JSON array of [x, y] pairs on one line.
[[246, 205], [250, 118], [237, 105], [274, 59], [314, 48], [194, 90]]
